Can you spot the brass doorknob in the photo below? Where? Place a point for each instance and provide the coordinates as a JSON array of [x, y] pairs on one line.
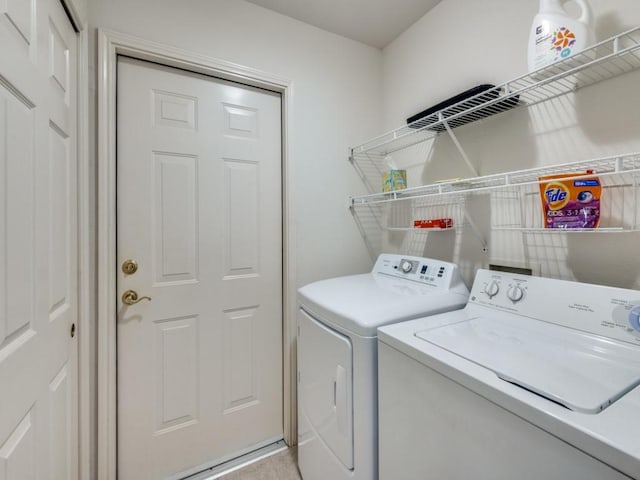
[[130, 297]]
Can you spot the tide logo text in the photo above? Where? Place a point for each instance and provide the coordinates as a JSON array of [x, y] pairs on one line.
[[555, 195]]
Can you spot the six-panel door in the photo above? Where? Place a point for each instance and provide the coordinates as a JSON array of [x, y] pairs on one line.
[[38, 246], [199, 210]]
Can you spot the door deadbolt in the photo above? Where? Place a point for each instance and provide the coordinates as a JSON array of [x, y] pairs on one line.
[[129, 267]]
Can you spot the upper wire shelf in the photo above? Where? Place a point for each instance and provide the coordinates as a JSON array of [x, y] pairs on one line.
[[607, 59]]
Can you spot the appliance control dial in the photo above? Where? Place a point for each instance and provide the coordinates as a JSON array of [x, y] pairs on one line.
[[492, 289], [406, 266], [634, 318], [515, 293]]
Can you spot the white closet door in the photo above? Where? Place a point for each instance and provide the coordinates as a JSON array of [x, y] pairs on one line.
[[38, 249]]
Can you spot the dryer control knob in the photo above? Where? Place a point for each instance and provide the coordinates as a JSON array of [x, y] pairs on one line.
[[492, 289], [406, 266], [634, 318], [515, 293]]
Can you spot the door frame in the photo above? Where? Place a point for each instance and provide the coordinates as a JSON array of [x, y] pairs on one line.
[[84, 270], [110, 45]]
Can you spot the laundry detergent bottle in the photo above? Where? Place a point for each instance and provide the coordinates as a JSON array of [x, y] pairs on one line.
[[555, 35]]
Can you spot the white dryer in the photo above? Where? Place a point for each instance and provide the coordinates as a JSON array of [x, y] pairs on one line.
[[337, 359], [535, 378]]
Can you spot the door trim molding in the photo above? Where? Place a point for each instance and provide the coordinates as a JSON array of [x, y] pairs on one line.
[[86, 279], [110, 45]]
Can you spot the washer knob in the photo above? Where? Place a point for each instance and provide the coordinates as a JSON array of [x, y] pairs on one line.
[[492, 289], [406, 266], [634, 318], [515, 293]]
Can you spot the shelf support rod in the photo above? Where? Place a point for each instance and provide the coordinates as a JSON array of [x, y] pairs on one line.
[[458, 145]]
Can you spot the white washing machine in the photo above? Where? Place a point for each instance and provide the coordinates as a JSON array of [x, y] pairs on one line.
[[337, 360], [534, 379]]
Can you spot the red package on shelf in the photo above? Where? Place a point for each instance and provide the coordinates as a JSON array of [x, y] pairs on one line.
[[433, 223]]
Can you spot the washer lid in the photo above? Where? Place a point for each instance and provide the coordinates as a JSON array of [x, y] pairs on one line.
[[362, 303], [583, 372]]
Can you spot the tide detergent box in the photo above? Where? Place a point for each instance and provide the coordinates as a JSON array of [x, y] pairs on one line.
[[571, 200]]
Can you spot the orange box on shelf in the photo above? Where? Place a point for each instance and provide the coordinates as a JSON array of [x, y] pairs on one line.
[[433, 223]]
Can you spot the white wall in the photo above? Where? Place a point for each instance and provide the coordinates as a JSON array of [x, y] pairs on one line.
[[462, 43]]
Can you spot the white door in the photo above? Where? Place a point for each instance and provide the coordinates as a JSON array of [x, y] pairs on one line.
[[38, 248], [199, 211]]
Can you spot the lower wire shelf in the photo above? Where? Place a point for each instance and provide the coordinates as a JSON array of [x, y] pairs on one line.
[[566, 230], [418, 230], [512, 200]]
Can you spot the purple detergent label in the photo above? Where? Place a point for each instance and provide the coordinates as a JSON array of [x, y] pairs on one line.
[[574, 215], [571, 203]]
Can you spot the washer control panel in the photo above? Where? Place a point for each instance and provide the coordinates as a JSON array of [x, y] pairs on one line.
[[515, 293], [418, 269], [492, 288], [607, 311], [503, 291]]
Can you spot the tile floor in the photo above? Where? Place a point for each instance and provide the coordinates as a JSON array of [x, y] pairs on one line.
[[281, 466]]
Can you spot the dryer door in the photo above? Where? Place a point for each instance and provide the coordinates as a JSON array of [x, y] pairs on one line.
[[326, 385]]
